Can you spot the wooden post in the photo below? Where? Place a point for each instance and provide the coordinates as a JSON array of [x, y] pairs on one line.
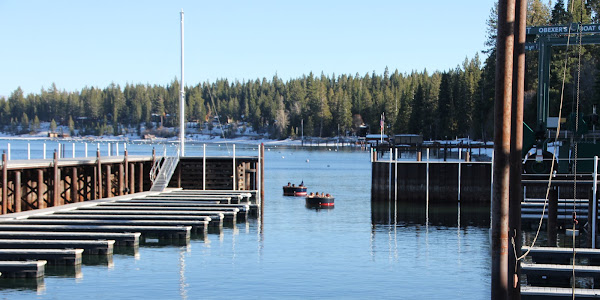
[[132, 178], [502, 137], [141, 177], [18, 192], [40, 189], [4, 183], [591, 206], [75, 185], [126, 164], [55, 181], [121, 179], [98, 175], [515, 186], [108, 181], [552, 216]]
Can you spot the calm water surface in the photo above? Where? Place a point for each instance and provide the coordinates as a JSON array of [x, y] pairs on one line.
[[358, 250]]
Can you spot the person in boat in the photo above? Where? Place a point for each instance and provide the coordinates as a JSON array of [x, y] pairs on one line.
[[289, 184], [293, 185], [322, 195], [327, 195], [311, 194]]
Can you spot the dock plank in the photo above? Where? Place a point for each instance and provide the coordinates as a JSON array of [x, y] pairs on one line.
[[131, 239], [174, 232], [90, 247], [22, 269], [52, 256], [542, 293], [213, 217]]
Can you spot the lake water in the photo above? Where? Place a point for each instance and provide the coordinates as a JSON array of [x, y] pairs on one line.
[[358, 250]]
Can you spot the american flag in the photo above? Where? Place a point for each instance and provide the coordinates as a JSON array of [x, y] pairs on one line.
[[382, 120]]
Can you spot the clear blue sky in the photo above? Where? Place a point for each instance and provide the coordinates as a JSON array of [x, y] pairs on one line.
[[93, 43]]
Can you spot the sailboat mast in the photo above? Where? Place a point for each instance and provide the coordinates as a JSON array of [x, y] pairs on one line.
[[182, 99]]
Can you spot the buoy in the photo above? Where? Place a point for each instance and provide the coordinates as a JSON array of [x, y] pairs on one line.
[[307, 160]]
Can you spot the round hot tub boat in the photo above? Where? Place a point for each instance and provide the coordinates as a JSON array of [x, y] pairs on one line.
[[293, 190], [319, 200]]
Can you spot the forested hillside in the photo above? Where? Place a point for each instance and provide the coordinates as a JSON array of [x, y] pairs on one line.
[[438, 104]]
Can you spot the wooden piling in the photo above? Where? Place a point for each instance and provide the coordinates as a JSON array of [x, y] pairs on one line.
[[55, 181], [132, 178], [17, 192], [74, 185], [108, 181], [591, 206], [40, 189], [98, 182], [4, 184], [121, 180], [140, 177], [552, 216]]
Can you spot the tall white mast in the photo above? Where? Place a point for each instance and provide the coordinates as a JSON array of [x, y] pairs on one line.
[[182, 99]]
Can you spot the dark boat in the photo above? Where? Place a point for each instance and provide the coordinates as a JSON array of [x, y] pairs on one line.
[[293, 190], [319, 201]]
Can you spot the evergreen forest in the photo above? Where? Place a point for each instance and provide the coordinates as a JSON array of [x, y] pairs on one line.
[[439, 104]]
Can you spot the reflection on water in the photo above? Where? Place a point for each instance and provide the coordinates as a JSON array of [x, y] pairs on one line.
[[448, 215], [98, 260], [64, 271], [23, 284]]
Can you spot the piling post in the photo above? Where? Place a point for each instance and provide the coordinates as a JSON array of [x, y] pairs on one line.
[[204, 167], [132, 178], [594, 204], [74, 185], [516, 188], [28, 151], [121, 179], [108, 181], [40, 189], [141, 177], [502, 134], [4, 183], [98, 174], [590, 214], [55, 181], [552, 216], [17, 192], [126, 166]]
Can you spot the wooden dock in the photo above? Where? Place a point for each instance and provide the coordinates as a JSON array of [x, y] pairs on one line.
[[86, 232], [550, 276]]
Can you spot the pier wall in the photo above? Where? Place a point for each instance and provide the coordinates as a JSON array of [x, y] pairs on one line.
[[37, 184], [438, 181]]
